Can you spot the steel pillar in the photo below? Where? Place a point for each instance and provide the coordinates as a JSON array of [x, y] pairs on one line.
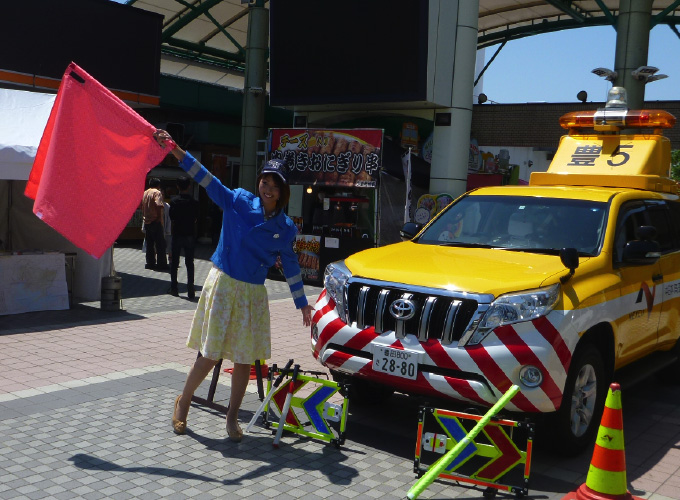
[[254, 93], [632, 47], [451, 144]]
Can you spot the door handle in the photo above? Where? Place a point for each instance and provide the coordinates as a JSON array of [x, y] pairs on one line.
[[657, 277]]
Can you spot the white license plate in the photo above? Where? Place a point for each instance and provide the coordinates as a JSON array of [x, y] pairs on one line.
[[397, 362]]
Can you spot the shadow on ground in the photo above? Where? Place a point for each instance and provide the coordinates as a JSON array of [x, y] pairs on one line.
[[79, 314]]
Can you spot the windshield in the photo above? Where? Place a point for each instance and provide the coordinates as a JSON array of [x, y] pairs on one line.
[[535, 224]]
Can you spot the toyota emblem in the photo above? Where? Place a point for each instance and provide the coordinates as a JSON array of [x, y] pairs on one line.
[[402, 309]]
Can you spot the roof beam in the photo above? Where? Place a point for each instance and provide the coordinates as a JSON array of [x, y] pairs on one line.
[[660, 16], [226, 24], [196, 11], [511, 8], [193, 56], [566, 7], [487, 40], [219, 27], [226, 33], [481, 73], [607, 13], [200, 49], [178, 14], [674, 30]]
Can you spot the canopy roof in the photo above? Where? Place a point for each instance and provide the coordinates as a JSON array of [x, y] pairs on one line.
[[206, 39], [504, 20]]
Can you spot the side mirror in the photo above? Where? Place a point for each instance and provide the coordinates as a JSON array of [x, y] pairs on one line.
[[569, 258], [409, 230], [642, 251]]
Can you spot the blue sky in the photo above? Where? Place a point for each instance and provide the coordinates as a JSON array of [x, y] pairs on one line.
[[554, 67]]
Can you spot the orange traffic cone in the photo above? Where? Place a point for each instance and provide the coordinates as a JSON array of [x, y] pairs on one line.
[[606, 478]]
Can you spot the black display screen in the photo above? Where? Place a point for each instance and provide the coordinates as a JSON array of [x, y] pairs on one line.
[[119, 45], [353, 51]]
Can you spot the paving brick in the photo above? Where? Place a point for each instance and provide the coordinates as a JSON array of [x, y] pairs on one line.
[[95, 495]]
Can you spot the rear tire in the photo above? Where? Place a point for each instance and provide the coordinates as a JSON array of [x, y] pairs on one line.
[[578, 419]]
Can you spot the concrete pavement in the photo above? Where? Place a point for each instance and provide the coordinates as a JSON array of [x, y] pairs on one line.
[[86, 399]]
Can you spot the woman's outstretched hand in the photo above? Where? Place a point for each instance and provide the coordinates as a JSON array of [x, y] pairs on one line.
[[307, 315], [162, 137]]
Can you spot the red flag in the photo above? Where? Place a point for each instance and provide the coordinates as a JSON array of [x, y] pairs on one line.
[[90, 168]]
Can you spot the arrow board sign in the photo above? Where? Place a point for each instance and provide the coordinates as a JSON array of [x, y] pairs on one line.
[[499, 457]]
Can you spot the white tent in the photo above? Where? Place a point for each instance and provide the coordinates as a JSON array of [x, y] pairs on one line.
[[23, 116]]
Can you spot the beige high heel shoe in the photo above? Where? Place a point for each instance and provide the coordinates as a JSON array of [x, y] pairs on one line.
[[235, 435], [179, 426]]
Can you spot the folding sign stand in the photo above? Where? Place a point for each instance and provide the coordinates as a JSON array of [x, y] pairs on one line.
[[311, 414], [499, 458]]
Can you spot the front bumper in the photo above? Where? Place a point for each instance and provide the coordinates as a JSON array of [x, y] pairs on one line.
[[478, 374]]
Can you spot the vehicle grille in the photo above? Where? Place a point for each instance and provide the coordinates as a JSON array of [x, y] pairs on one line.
[[437, 316]]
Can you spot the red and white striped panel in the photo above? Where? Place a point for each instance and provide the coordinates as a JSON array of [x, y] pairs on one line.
[[498, 359]]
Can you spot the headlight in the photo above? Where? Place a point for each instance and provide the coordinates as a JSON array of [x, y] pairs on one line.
[[335, 281], [515, 308]]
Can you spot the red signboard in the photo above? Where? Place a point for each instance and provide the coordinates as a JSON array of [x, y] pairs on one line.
[[349, 157]]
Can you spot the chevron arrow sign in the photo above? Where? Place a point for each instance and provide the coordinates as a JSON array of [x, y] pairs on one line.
[[498, 458]]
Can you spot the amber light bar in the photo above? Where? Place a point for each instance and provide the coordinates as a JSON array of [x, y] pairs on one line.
[[640, 118]]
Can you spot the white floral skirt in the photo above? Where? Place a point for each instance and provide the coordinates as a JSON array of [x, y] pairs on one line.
[[231, 320]]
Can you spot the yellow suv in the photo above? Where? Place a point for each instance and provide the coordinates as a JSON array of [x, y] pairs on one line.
[[553, 286]]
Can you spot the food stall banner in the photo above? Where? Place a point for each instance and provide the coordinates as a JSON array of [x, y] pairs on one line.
[[336, 157], [308, 248]]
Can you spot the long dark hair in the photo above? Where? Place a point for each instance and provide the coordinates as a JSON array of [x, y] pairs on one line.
[[284, 189]]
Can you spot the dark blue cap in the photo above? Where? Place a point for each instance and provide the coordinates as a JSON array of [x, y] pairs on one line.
[[277, 167]]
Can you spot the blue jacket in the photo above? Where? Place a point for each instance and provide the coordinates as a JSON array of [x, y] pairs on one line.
[[248, 244]]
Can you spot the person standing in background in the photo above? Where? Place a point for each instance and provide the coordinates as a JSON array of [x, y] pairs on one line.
[[183, 215], [152, 212]]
